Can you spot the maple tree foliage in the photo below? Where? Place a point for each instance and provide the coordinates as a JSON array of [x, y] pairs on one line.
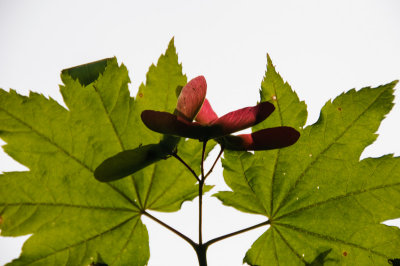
[[71, 214], [317, 194], [324, 206]]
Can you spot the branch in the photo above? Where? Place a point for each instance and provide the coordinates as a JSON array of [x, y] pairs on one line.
[[187, 166], [201, 183], [193, 244], [202, 160], [212, 241], [215, 162]]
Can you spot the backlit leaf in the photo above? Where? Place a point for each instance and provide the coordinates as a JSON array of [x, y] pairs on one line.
[[74, 219], [317, 194]]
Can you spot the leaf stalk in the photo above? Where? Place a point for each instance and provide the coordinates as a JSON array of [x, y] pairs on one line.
[[212, 241], [184, 237]]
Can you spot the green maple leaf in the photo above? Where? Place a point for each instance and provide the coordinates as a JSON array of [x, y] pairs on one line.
[[74, 219], [324, 205]]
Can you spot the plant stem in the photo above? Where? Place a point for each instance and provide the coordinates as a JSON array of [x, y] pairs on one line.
[[201, 212], [201, 251], [201, 185], [212, 241], [200, 248], [193, 244], [187, 166], [202, 159], [215, 162]]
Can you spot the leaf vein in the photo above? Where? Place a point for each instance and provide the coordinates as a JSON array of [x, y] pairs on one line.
[[150, 186], [273, 182], [109, 118], [248, 183], [65, 152], [63, 205], [285, 198], [85, 240], [26, 218], [290, 247], [330, 238], [350, 194], [126, 243], [274, 244]]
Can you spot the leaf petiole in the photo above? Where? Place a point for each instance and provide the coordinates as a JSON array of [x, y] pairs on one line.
[[212, 241], [187, 239]]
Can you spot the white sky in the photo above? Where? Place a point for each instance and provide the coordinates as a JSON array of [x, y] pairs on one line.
[[321, 48]]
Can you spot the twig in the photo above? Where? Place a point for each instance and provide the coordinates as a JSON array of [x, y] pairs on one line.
[[193, 244], [212, 241], [202, 159], [215, 162], [201, 184], [187, 166]]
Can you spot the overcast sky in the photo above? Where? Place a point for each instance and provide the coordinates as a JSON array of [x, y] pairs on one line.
[[321, 48]]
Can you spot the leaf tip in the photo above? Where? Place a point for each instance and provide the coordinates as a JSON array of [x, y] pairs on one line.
[[270, 65], [171, 47], [269, 60], [394, 83]]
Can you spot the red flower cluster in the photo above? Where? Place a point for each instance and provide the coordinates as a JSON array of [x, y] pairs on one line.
[[192, 104]]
